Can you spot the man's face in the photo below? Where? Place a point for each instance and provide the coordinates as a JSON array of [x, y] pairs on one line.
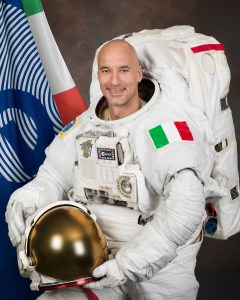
[[119, 73]]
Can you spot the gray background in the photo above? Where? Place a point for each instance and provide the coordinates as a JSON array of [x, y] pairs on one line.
[[80, 26]]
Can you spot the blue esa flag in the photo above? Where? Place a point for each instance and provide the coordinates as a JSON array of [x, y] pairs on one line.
[[29, 120]]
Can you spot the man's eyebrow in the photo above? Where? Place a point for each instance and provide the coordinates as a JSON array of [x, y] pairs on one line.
[[104, 68], [125, 67], [121, 67]]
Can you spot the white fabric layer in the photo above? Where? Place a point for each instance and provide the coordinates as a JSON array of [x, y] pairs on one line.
[[178, 214]]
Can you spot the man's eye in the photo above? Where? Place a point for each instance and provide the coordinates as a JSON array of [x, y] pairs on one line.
[[125, 70], [104, 71]]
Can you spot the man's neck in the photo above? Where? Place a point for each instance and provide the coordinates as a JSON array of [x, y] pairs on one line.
[[122, 111]]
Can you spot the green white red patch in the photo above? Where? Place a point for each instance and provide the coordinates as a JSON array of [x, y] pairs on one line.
[[167, 133]]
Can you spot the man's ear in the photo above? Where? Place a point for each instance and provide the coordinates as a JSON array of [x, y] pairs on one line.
[[140, 73]]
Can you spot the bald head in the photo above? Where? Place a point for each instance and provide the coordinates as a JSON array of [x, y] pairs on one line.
[[118, 46]]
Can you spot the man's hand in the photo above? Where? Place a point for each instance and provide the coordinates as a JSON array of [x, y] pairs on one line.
[[16, 214], [112, 275]]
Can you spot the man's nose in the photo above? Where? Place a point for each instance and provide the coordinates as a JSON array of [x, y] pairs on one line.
[[115, 80]]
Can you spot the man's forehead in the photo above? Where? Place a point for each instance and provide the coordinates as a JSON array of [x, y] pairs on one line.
[[115, 60], [115, 64], [117, 52]]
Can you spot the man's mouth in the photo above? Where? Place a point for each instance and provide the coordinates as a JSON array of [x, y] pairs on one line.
[[116, 92]]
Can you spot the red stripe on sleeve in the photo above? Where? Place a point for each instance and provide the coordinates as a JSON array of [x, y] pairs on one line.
[[184, 131], [207, 47]]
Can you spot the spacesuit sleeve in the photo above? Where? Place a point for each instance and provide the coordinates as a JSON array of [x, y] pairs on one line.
[[177, 219], [55, 175], [176, 169]]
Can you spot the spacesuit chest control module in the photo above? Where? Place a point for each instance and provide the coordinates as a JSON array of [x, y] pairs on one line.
[[105, 177]]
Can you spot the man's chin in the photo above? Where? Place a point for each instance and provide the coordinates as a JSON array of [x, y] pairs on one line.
[[117, 101]]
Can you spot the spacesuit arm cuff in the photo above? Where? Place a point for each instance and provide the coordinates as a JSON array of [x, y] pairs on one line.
[[135, 260]]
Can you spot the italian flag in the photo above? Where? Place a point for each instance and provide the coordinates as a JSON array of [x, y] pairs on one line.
[[66, 95], [170, 132]]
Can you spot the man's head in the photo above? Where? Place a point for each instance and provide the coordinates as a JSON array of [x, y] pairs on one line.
[[119, 72]]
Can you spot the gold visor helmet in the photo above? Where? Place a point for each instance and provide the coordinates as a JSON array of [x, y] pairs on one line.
[[61, 247]]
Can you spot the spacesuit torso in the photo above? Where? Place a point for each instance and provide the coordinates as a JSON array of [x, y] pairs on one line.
[[120, 173]]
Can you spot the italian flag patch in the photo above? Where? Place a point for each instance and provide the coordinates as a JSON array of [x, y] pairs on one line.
[[171, 132]]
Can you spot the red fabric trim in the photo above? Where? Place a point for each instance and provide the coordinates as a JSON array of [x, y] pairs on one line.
[[70, 104], [66, 284], [89, 293], [184, 131], [207, 47]]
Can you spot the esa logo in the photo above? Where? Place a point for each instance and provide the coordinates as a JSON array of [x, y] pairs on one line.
[[106, 153], [25, 131]]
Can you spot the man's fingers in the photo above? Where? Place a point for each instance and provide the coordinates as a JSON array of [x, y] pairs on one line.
[[100, 271], [110, 273], [15, 216], [94, 285], [18, 219], [16, 225], [18, 210], [14, 235], [28, 211]]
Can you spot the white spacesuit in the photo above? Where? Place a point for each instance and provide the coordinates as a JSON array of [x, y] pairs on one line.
[[146, 176], [147, 192]]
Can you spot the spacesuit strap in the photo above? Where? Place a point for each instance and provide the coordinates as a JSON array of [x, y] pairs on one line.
[[89, 293]]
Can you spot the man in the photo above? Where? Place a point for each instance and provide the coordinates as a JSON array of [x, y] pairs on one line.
[[159, 234], [118, 80]]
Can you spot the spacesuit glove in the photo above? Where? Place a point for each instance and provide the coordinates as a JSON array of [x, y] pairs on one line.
[[17, 212], [111, 273]]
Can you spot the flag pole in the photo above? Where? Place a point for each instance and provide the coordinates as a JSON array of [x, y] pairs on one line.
[[66, 95]]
